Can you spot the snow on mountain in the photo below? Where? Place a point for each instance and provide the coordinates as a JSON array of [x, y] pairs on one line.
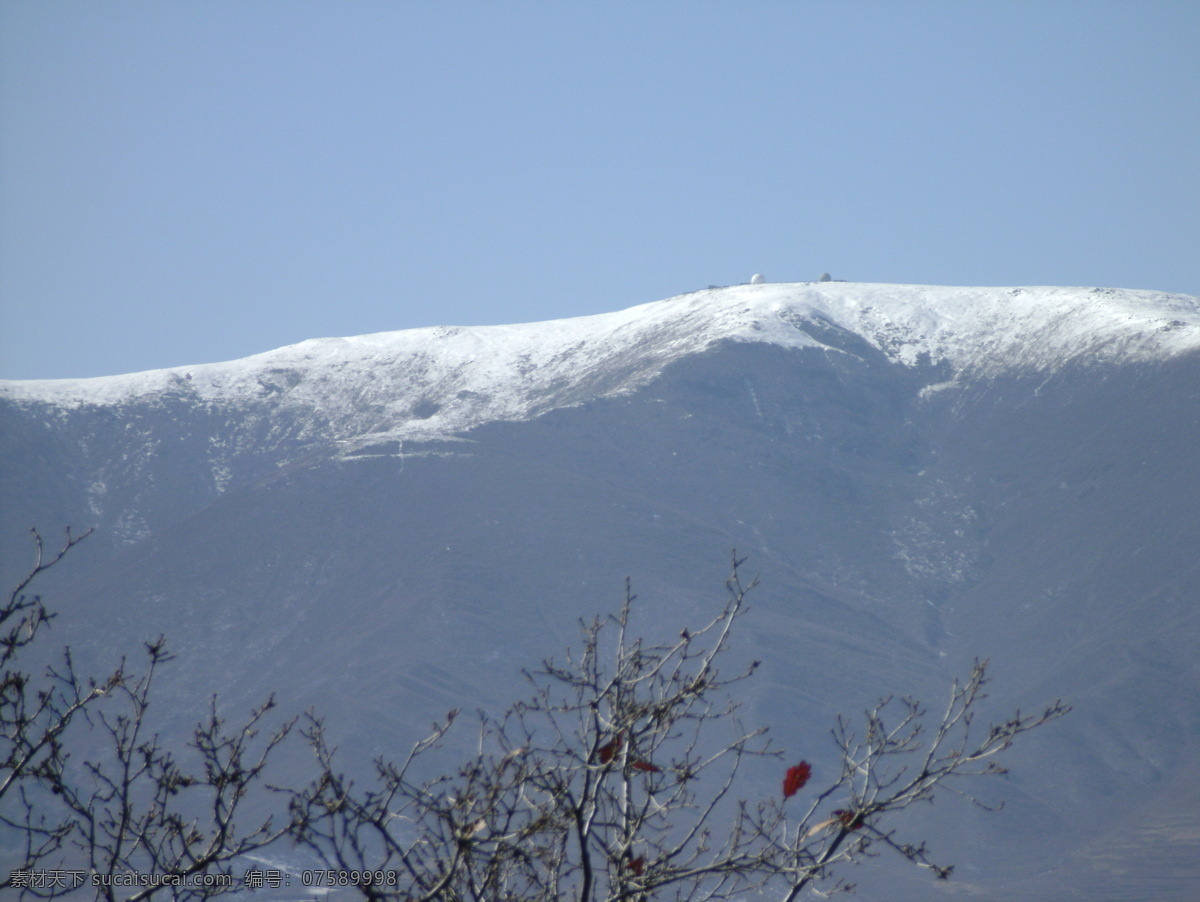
[[433, 381]]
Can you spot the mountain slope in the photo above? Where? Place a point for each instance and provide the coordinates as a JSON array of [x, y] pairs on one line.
[[919, 475], [205, 428]]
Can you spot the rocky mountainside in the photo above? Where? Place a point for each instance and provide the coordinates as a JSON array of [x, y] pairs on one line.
[[387, 526]]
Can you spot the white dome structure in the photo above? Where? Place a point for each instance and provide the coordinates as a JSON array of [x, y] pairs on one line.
[[757, 279]]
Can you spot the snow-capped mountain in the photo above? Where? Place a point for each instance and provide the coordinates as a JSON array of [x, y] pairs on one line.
[[387, 526], [422, 382]]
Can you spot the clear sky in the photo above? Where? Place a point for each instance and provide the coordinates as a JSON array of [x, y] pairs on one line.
[[188, 182]]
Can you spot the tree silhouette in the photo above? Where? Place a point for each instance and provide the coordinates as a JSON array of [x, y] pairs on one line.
[[92, 794], [615, 780]]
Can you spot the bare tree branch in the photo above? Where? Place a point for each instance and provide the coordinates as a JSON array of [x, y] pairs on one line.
[[615, 780], [94, 794]]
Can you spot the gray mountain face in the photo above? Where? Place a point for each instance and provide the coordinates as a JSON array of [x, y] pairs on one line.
[[908, 501]]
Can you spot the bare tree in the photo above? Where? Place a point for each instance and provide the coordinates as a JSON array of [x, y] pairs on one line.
[[100, 806], [33, 716], [616, 781], [892, 765]]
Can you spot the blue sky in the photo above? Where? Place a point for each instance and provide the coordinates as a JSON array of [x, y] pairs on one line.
[[189, 182]]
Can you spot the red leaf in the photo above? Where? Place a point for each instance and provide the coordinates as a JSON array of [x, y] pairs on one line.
[[610, 749], [796, 777], [635, 865]]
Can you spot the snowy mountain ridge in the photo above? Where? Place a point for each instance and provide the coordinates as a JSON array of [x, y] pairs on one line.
[[434, 381]]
